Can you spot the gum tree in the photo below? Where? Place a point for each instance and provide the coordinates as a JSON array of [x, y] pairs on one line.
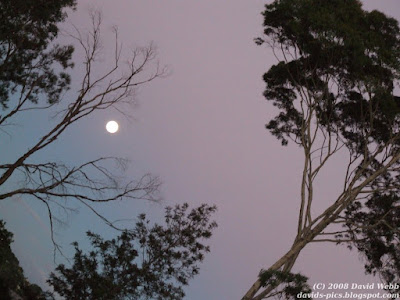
[[335, 88]]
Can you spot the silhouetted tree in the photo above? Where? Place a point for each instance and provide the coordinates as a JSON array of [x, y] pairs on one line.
[[146, 262], [12, 280], [334, 86], [32, 78]]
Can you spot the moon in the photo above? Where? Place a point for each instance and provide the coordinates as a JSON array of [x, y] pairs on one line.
[[112, 126]]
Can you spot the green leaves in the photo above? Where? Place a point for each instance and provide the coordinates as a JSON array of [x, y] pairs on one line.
[[145, 262]]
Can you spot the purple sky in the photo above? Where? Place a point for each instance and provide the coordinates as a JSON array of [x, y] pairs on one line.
[[202, 131]]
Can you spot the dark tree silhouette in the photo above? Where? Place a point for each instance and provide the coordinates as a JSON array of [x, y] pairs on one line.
[[334, 86], [30, 80], [146, 262], [12, 280], [27, 53]]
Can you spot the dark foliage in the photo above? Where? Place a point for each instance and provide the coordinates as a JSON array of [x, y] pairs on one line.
[[288, 285], [27, 54], [333, 43], [338, 69], [374, 227], [147, 262], [12, 278]]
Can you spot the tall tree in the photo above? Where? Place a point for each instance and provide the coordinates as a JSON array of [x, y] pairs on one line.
[[334, 85], [32, 77], [146, 262]]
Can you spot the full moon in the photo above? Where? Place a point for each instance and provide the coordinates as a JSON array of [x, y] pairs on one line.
[[112, 126]]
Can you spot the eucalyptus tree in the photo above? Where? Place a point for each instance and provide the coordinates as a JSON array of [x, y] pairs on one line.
[[335, 88], [34, 77]]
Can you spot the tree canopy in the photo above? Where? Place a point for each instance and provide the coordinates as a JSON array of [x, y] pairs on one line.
[[146, 262], [335, 88], [344, 60], [28, 53]]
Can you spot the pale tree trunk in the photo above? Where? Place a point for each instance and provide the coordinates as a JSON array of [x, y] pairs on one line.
[[317, 226]]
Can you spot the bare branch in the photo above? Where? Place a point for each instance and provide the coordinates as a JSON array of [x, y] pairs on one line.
[[93, 181]]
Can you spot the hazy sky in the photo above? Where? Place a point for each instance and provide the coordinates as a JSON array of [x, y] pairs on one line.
[[202, 131]]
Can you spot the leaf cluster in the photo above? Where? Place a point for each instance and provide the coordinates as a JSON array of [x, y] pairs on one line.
[[27, 30], [374, 229], [341, 61]]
